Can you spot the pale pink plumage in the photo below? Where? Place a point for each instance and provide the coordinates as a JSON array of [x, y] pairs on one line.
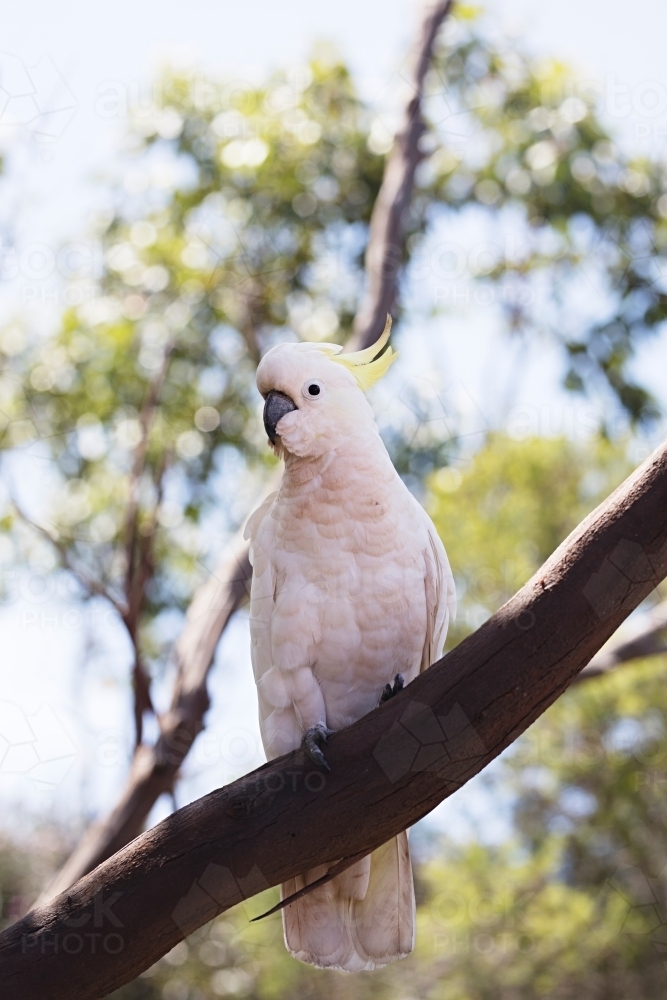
[[351, 586]]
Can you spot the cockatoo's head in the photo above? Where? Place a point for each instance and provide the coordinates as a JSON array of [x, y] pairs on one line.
[[315, 395]]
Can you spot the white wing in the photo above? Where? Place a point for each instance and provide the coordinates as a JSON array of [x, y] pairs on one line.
[[260, 530], [254, 522], [440, 594]]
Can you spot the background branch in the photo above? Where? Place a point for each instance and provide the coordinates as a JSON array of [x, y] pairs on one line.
[[651, 640], [386, 242], [387, 770], [138, 547], [154, 769], [93, 586]]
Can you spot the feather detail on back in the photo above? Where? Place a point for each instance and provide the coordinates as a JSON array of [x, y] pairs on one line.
[[440, 595], [259, 530]]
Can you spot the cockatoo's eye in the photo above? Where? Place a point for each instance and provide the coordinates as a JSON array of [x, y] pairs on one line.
[[312, 389]]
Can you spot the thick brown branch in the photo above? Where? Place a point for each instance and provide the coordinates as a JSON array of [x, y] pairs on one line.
[[385, 250], [387, 771]]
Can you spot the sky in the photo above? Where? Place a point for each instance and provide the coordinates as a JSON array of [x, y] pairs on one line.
[[76, 50], [63, 696]]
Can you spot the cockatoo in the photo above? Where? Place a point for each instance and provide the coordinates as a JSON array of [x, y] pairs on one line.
[[351, 598]]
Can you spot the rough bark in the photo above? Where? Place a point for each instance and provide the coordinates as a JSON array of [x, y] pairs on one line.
[[387, 770], [154, 769]]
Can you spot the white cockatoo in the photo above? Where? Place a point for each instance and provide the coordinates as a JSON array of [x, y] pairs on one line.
[[351, 597]]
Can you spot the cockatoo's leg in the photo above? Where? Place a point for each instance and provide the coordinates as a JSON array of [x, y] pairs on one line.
[[388, 691], [311, 743]]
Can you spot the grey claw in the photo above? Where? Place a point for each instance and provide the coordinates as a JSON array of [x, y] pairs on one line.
[[310, 743], [316, 754], [388, 691]]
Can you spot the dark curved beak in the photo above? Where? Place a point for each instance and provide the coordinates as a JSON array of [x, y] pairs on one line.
[[276, 406]]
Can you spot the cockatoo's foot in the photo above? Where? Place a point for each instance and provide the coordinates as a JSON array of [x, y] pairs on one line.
[[311, 743], [388, 691]]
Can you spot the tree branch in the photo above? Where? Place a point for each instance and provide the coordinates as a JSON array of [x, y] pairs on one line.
[[138, 549], [141, 681], [154, 770], [651, 640], [387, 770], [93, 586], [385, 250], [146, 414]]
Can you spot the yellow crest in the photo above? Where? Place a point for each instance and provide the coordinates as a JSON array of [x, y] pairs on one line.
[[366, 367]]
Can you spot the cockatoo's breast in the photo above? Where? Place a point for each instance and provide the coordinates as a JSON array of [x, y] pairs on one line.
[[348, 565]]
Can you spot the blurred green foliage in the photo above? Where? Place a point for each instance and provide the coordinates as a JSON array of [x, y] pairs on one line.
[[505, 512], [527, 139], [145, 399]]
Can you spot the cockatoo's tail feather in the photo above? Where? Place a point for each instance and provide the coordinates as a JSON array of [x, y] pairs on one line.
[[362, 919]]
